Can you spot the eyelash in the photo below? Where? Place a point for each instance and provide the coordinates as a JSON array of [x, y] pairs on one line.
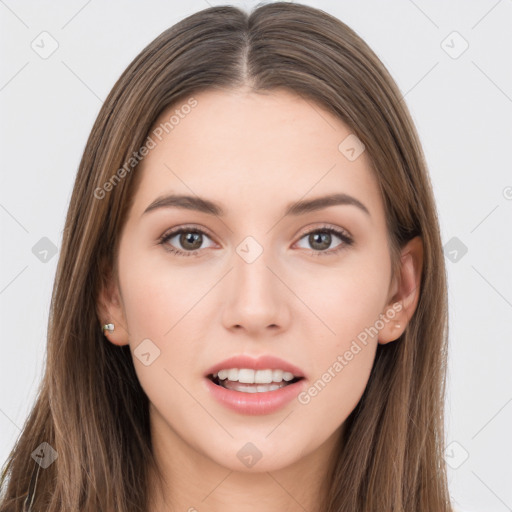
[[343, 235]]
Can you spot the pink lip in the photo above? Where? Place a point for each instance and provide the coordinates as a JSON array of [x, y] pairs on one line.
[[255, 403], [260, 363]]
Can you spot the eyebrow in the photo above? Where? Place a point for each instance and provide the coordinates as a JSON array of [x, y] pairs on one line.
[[295, 209]]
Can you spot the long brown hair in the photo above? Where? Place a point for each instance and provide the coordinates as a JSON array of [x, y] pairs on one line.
[[90, 406]]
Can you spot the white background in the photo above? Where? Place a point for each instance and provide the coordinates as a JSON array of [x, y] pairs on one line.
[[463, 111]]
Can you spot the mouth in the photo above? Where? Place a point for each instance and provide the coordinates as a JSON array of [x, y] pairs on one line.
[[252, 387], [234, 385]]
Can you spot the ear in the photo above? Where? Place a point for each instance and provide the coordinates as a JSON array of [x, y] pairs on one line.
[[405, 291], [110, 310]]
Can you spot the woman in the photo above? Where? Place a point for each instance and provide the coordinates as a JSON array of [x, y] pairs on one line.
[[250, 306]]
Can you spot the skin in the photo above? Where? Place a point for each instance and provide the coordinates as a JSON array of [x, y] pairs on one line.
[[254, 154]]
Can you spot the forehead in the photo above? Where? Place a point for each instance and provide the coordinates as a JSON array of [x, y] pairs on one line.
[[252, 149]]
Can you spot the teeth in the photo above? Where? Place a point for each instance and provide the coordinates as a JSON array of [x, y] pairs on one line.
[[248, 388], [277, 375], [262, 377], [246, 376], [232, 374], [249, 376]]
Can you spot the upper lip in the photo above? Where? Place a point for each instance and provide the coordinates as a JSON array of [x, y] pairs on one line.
[[256, 363]]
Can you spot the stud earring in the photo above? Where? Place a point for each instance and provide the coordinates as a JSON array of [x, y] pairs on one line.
[[107, 327]]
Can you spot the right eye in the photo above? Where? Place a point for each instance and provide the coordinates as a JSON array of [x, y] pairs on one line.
[[190, 239]]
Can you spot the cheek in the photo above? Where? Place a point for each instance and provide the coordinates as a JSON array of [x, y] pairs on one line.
[[344, 354], [333, 394], [348, 302], [156, 294], [159, 308], [164, 315], [340, 361]]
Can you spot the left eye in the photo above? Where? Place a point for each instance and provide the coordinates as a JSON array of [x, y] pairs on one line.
[[322, 239]]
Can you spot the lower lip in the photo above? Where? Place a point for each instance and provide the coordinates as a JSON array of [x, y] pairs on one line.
[[255, 403]]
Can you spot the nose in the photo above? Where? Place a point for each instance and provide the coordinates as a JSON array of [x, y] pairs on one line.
[[256, 298]]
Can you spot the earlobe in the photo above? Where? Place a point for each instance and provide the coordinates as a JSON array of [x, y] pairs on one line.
[[110, 313], [406, 297]]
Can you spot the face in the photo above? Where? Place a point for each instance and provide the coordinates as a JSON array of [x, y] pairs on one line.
[[196, 287]]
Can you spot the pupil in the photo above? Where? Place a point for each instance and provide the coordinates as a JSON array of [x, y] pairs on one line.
[[326, 237], [191, 238]]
